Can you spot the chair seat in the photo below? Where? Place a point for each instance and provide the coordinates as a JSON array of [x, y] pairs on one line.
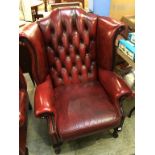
[[83, 109]]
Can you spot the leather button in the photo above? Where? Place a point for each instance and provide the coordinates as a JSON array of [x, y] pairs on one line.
[[64, 39], [76, 39], [62, 54], [60, 78]]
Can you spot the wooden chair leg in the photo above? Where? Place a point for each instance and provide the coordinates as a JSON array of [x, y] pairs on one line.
[[57, 148], [30, 106], [131, 111], [115, 133], [26, 152], [121, 125]]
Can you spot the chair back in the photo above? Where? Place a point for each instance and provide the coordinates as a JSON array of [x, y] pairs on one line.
[[70, 43]]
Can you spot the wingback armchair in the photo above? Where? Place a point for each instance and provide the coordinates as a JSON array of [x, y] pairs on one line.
[[72, 60], [23, 103]]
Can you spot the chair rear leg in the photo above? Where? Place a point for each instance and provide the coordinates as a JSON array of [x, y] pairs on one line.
[[26, 152], [57, 148], [30, 106]]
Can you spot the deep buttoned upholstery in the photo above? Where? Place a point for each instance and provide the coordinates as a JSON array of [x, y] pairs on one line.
[[70, 46]]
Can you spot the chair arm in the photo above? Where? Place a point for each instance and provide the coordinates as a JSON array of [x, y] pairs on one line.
[[44, 105], [22, 106], [44, 99], [114, 85]]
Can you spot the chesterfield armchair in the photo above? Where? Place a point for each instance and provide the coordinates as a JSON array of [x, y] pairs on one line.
[[72, 61], [23, 104]]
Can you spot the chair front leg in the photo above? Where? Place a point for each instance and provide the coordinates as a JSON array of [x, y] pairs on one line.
[[115, 133], [57, 147], [56, 141], [123, 114]]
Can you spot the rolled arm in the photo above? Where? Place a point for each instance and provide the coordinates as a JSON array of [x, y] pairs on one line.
[[44, 99], [114, 85]]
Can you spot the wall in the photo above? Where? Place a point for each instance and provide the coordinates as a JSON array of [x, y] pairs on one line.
[[121, 8], [101, 7]]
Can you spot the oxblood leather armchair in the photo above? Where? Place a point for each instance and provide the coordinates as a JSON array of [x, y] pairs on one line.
[[23, 102], [72, 59]]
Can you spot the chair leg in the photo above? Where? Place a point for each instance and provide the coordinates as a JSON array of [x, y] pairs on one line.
[[115, 133], [57, 148], [131, 111], [30, 106], [26, 152], [121, 125]]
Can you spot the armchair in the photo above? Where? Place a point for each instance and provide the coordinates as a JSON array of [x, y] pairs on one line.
[[72, 60]]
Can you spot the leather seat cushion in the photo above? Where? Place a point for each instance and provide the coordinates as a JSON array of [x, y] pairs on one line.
[[83, 109]]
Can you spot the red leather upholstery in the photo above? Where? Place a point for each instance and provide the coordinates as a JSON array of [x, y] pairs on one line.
[[113, 84], [23, 100], [44, 98], [72, 59], [107, 31], [83, 109], [70, 46]]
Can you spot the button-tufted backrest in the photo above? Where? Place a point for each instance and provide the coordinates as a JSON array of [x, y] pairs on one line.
[[70, 42]]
